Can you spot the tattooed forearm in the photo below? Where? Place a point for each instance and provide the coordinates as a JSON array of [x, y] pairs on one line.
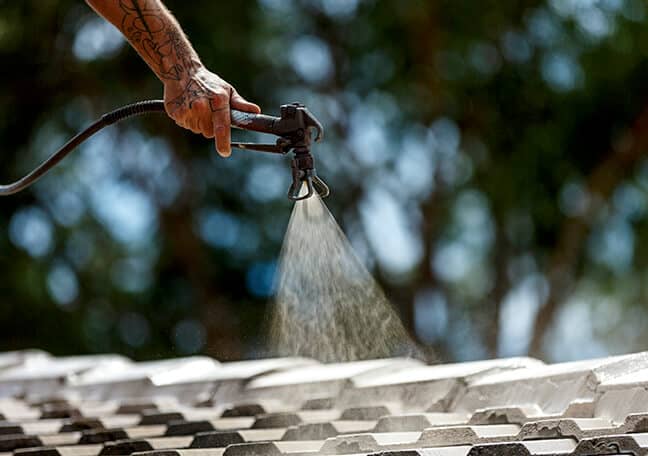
[[154, 33], [195, 98]]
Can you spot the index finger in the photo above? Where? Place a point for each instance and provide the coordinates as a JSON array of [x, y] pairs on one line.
[[222, 134]]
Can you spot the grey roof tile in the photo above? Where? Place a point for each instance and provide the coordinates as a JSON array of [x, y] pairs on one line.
[[185, 452], [316, 416], [310, 431], [106, 422], [550, 446], [43, 375], [218, 439], [276, 420], [616, 404], [506, 414], [226, 424], [151, 418], [247, 409], [260, 435], [425, 388], [10, 443], [67, 438], [324, 430], [40, 427], [418, 421], [16, 358], [131, 406], [456, 435], [635, 422], [253, 449], [135, 432], [246, 370], [610, 445], [72, 450], [577, 428], [369, 442], [290, 406], [130, 446], [273, 448], [319, 403], [97, 436], [326, 380], [366, 413], [16, 410], [552, 388], [353, 427], [500, 449], [461, 450], [530, 448], [141, 379]]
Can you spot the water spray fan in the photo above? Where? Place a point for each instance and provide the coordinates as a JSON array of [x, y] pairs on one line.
[[294, 128]]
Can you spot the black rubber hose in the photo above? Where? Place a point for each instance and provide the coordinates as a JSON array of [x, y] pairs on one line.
[[135, 109]]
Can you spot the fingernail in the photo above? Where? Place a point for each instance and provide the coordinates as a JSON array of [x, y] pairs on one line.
[[223, 152]]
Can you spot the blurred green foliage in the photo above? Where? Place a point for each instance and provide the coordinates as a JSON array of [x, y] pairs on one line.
[[486, 159]]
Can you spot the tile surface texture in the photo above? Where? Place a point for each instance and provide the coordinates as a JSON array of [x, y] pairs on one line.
[[197, 406]]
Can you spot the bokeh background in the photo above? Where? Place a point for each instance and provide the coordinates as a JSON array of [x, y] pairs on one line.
[[487, 160]]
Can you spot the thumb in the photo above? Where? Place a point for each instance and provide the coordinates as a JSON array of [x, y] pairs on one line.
[[240, 103]]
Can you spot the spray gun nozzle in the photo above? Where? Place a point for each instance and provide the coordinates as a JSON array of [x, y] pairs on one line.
[[295, 129], [305, 177]]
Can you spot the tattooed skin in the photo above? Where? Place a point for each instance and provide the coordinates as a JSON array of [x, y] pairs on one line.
[[194, 97], [193, 91], [145, 25]]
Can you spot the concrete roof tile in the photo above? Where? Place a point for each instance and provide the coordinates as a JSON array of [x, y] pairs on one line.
[[74, 406]]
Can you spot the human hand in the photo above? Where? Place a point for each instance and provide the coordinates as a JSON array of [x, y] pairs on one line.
[[202, 102]]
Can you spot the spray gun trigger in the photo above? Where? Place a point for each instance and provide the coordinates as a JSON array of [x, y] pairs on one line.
[[282, 146], [312, 123]]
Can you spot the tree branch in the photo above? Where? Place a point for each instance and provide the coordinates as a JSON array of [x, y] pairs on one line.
[[602, 181]]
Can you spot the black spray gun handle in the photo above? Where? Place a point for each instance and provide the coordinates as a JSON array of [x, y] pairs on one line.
[[296, 124], [253, 122]]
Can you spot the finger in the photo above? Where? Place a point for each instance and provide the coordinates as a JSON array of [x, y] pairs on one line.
[[206, 127], [192, 124], [240, 103], [201, 116], [221, 122]]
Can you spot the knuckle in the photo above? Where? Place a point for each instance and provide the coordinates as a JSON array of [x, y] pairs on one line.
[[179, 117], [221, 97], [203, 126], [201, 106]]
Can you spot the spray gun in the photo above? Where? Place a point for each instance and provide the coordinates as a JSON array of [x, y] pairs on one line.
[[294, 128]]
